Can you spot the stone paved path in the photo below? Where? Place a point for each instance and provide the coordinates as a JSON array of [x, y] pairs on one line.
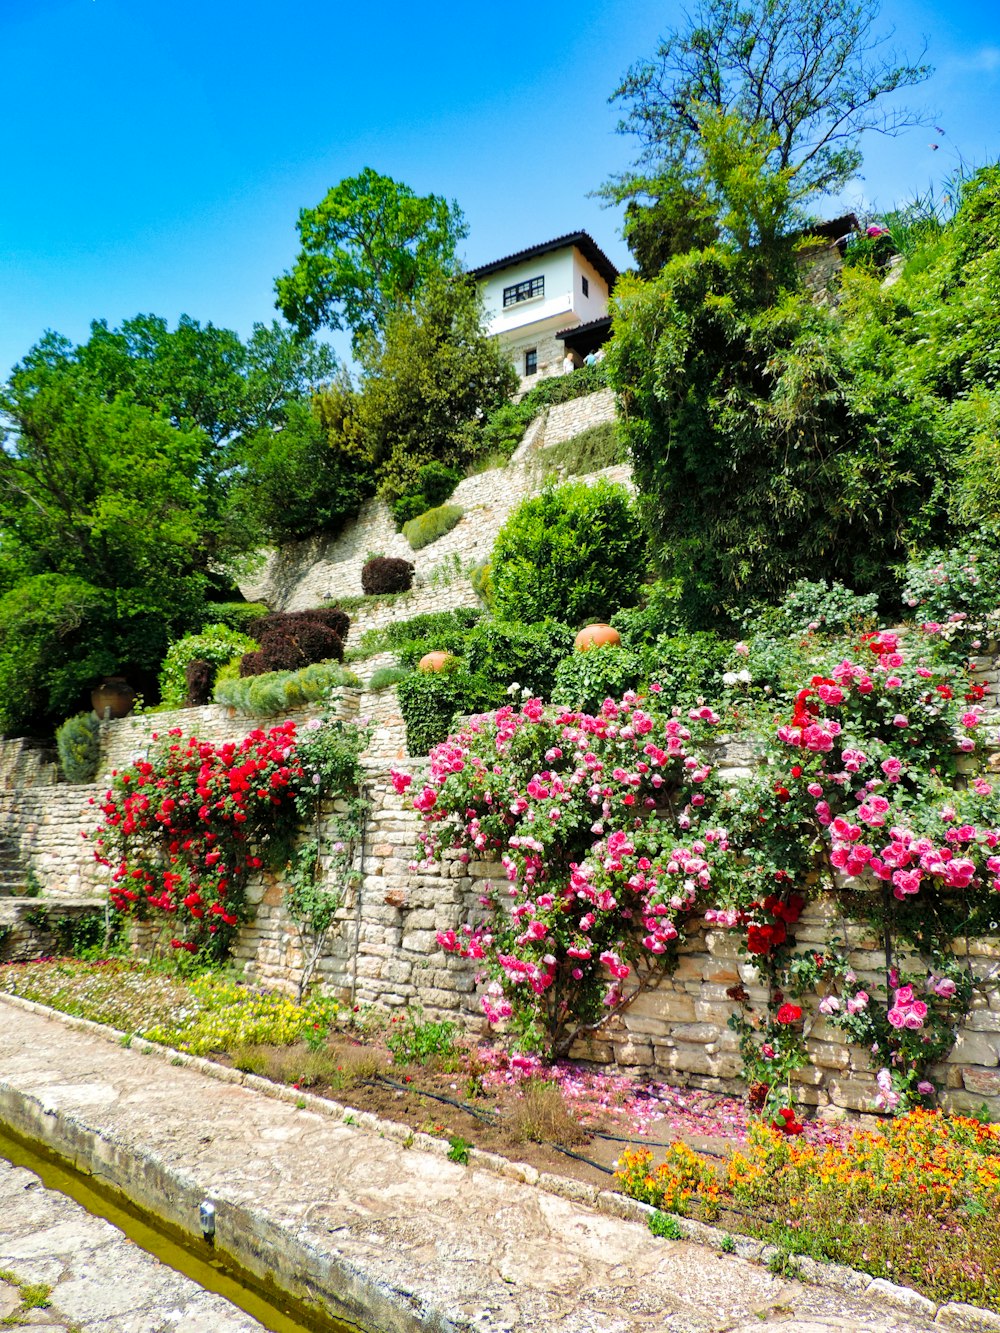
[[90, 1276], [425, 1243]]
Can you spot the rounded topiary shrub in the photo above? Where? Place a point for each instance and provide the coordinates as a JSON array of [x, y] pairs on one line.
[[429, 526], [386, 573], [574, 553], [79, 747]]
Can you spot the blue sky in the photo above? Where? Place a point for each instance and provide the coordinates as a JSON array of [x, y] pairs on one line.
[[155, 153]]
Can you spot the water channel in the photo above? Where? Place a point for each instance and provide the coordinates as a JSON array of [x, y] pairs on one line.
[[195, 1259]]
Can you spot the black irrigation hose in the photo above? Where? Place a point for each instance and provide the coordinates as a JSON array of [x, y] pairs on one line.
[[488, 1116], [608, 1171]]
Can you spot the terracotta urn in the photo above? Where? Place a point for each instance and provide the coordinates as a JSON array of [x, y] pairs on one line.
[[436, 661], [596, 636], [113, 697]]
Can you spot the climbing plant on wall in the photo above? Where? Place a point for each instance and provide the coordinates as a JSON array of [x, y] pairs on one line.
[[613, 832]]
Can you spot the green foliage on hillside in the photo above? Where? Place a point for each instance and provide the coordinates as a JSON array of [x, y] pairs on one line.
[[774, 439], [573, 553], [428, 527]]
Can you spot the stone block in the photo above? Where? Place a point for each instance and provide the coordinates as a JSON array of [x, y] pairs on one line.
[[975, 1048], [984, 1082]]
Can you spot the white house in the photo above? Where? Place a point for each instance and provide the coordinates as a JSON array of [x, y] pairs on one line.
[[548, 301]]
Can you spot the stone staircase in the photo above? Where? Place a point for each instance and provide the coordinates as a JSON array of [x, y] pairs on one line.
[[13, 873]]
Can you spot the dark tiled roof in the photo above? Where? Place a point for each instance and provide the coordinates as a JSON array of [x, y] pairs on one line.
[[832, 230], [585, 243], [591, 325]]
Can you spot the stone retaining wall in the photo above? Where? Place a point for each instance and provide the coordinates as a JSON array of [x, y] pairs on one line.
[[383, 950], [303, 574]]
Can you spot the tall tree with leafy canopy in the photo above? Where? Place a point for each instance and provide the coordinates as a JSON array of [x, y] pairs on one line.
[[367, 247], [116, 457], [425, 389], [775, 96]]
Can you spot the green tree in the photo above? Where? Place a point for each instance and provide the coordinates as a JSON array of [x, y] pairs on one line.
[[426, 388], [367, 247], [193, 375], [308, 476], [776, 441], [774, 96], [102, 505]]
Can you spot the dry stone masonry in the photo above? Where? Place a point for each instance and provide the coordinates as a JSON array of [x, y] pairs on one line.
[[383, 948]]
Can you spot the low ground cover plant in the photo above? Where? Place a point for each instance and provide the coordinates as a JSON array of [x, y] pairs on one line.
[[913, 1200]]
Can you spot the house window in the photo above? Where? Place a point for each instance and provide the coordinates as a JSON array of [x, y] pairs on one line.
[[523, 291], [531, 361], [586, 286]]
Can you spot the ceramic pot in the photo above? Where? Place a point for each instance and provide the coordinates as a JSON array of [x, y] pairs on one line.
[[596, 636], [113, 697], [436, 661]]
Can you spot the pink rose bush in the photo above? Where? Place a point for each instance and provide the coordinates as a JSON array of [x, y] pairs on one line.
[[582, 814], [612, 832]]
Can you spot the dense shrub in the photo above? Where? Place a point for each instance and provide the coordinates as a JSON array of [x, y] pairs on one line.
[[386, 573], [309, 476], [290, 640], [288, 621], [276, 692], [584, 680], [435, 483], [481, 578], [198, 676], [660, 613], [429, 701], [595, 448], [528, 655], [234, 615], [573, 553], [78, 744], [822, 607], [385, 677], [428, 527], [216, 645], [687, 666], [292, 647], [965, 580], [444, 629]]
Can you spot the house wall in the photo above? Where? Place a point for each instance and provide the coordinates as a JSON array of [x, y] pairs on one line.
[[557, 269]]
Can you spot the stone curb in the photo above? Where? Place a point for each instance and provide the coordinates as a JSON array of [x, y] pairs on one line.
[[954, 1315]]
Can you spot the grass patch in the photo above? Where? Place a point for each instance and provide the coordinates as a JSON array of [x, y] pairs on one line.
[[338, 1070], [541, 1116], [592, 450]]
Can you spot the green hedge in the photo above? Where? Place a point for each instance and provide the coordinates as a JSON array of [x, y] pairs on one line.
[[280, 691], [430, 700], [420, 532], [573, 553]]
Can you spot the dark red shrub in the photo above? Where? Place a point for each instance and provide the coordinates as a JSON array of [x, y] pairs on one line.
[[198, 679], [386, 573], [252, 664], [288, 621]]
